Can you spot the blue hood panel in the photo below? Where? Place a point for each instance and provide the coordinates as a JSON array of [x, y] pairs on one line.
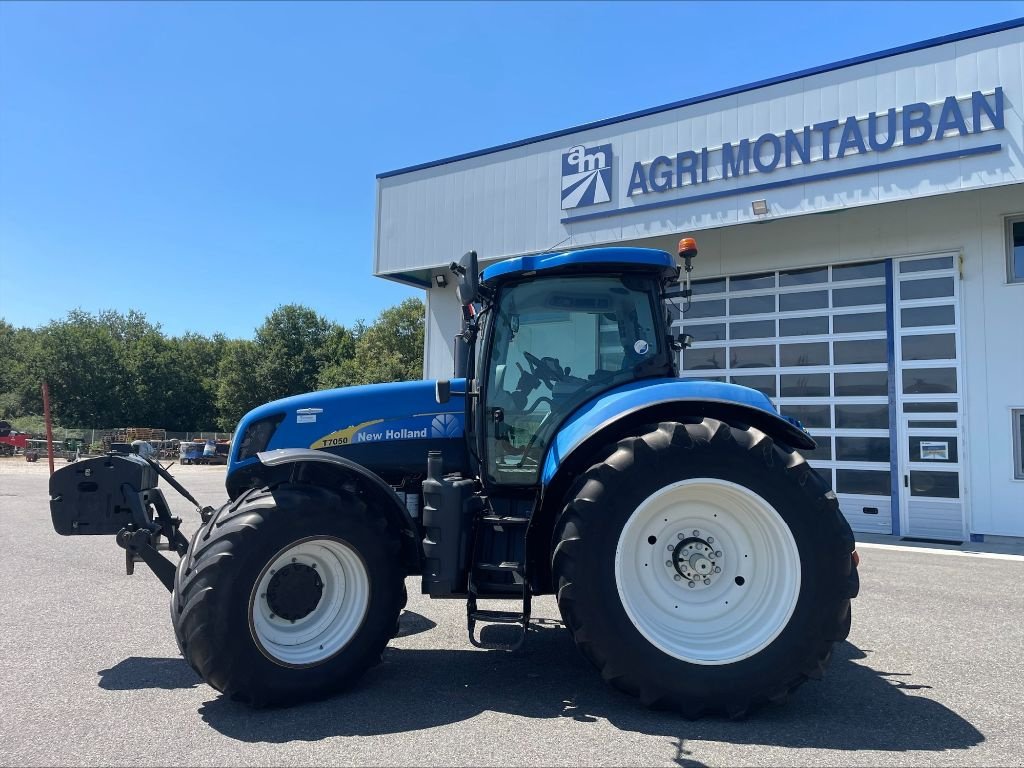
[[394, 417]]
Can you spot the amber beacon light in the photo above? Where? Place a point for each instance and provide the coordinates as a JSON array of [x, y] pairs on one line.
[[687, 248]]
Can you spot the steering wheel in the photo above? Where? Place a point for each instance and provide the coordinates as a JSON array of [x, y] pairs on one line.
[[544, 370]]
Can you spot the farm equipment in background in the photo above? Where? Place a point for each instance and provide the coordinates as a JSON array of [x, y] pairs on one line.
[[120, 439], [11, 440], [35, 448], [71, 448], [697, 560], [203, 452]]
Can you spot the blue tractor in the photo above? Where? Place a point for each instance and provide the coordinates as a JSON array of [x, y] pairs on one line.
[[698, 561]]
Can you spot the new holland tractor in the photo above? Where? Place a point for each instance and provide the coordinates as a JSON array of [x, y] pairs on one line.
[[697, 560]]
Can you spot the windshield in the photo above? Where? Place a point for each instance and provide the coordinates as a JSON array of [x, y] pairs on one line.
[[556, 342]]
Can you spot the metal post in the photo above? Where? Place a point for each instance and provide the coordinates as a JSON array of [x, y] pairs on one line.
[[49, 425]]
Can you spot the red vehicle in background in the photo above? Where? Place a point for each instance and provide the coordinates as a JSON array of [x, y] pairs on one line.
[[11, 440]]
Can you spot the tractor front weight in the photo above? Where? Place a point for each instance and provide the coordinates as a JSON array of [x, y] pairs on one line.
[[118, 495]]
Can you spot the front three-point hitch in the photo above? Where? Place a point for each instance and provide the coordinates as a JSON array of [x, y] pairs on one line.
[[118, 495]]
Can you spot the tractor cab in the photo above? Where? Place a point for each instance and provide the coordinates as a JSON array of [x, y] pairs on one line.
[[545, 334]]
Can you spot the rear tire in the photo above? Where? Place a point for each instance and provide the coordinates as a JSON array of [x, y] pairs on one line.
[[288, 594], [692, 621]]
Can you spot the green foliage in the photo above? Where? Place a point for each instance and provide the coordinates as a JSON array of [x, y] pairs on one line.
[[112, 369], [290, 346], [80, 358], [392, 348], [33, 425], [238, 387]]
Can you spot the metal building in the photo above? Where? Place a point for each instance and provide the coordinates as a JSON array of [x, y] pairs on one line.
[[861, 228]]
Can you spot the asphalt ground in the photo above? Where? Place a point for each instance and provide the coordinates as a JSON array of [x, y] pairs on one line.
[[932, 674]]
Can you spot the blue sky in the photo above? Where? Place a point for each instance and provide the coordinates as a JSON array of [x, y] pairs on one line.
[[207, 162]]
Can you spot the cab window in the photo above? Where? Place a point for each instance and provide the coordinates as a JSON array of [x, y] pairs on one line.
[[555, 343]]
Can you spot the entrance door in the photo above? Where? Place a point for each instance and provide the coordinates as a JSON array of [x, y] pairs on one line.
[[929, 387]]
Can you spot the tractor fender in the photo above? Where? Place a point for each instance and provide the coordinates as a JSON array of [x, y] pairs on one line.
[[328, 470], [614, 415]]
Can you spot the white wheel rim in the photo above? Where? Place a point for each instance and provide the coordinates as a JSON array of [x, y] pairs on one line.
[[332, 623], [745, 604]]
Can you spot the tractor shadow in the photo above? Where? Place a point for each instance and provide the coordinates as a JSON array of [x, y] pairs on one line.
[[168, 674], [138, 672], [413, 689]]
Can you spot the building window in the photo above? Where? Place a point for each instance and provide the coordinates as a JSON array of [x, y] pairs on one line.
[[1018, 443], [1015, 249]]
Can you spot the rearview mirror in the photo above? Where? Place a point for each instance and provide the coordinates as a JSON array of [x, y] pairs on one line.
[[442, 390], [468, 275]]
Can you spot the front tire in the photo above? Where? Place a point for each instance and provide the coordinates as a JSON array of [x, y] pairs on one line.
[[288, 594], [703, 568]]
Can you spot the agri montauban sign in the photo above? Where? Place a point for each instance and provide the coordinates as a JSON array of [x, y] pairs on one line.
[[829, 141]]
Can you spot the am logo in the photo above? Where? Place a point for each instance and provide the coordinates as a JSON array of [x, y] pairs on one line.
[[586, 176]]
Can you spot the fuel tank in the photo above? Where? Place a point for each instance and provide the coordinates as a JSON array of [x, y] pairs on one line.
[[388, 428]]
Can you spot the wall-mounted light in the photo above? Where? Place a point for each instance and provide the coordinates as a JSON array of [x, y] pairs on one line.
[[759, 207], [441, 280]]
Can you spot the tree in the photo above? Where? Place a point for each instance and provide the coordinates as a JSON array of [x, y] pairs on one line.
[[339, 368], [238, 390], [291, 345], [79, 358], [17, 393], [199, 358], [392, 348]]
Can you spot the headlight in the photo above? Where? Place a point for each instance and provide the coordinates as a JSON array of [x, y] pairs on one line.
[[257, 436]]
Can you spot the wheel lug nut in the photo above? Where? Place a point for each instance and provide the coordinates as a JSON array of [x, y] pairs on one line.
[[677, 577], [680, 536], [696, 532], [718, 553], [295, 559], [670, 547], [668, 563], [314, 566], [706, 582], [692, 585], [717, 569], [272, 616], [711, 539]]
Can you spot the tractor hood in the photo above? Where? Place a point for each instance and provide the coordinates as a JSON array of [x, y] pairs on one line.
[[386, 427]]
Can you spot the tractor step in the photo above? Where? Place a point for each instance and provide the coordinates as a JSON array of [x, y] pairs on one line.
[[505, 520], [498, 538], [497, 617], [522, 618], [505, 567]]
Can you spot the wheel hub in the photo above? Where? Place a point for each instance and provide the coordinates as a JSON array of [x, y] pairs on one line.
[[695, 560], [294, 591]]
